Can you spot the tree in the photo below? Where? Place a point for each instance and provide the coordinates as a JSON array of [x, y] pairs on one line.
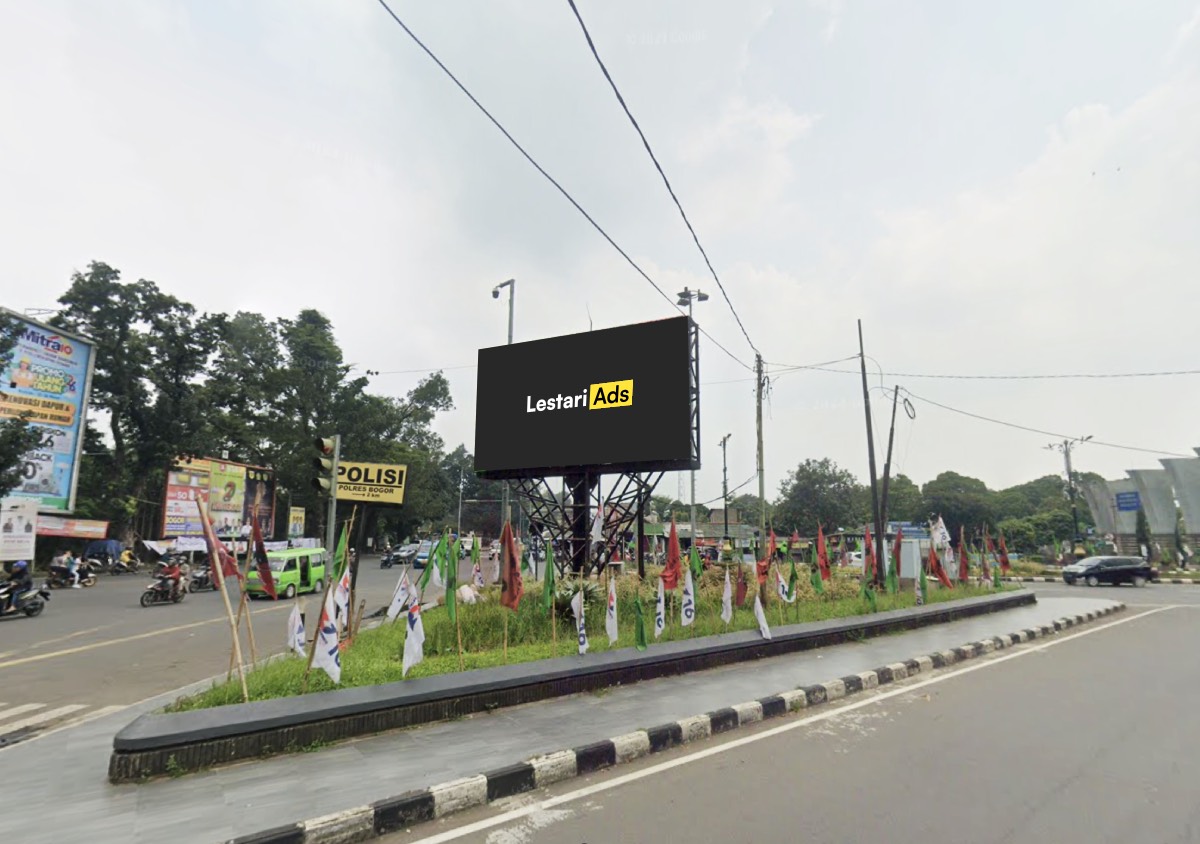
[[904, 500], [17, 436], [749, 507], [1141, 531], [1019, 535], [960, 500], [818, 492]]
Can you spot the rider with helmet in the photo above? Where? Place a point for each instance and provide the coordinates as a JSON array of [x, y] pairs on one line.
[[171, 571], [19, 580]]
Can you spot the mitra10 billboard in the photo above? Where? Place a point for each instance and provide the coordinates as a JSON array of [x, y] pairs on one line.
[[618, 399], [47, 377]]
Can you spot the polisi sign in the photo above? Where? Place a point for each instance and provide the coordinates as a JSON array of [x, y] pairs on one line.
[[374, 483]]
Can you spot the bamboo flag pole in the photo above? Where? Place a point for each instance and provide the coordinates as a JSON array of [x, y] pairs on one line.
[[312, 648], [245, 601], [346, 625], [233, 630]]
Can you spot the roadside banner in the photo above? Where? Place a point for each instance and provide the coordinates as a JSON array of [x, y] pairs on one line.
[[18, 528], [295, 522], [373, 483], [75, 528]]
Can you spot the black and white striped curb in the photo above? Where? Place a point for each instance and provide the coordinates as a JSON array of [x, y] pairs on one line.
[[1060, 580], [415, 807]]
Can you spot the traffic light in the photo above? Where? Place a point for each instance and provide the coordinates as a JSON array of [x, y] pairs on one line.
[[326, 464]]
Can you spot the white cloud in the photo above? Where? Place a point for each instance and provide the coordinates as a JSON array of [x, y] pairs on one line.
[[1184, 34]]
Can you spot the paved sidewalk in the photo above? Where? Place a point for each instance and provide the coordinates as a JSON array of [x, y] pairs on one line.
[[246, 798]]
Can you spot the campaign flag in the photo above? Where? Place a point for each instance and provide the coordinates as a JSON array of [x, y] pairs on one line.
[[476, 542], [580, 629], [687, 607], [922, 585], [511, 586], [328, 655], [764, 565], [660, 611], [610, 615], [670, 574], [742, 586], [782, 588], [695, 563], [296, 640], [761, 616], [727, 600], [401, 597], [221, 563], [939, 571], [815, 573], [639, 630], [548, 580], [793, 580], [869, 556], [260, 560], [822, 553], [996, 577], [477, 576], [867, 591], [414, 639], [893, 578], [451, 574], [964, 559], [598, 525], [1004, 564], [429, 574], [941, 536]]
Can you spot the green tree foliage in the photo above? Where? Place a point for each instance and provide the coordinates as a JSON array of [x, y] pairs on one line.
[[960, 500], [905, 502], [818, 492], [1142, 529]]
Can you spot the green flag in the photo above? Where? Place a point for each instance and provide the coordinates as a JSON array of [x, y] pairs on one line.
[[893, 578], [430, 562], [696, 565], [548, 580], [793, 580], [924, 587], [450, 575], [996, 576], [475, 543], [868, 593], [639, 630], [339, 556], [818, 583]]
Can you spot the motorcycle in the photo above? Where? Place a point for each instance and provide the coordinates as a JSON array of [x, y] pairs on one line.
[[201, 579], [30, 601], [119, 566], [60, 576], [98, 565], [160, 592]]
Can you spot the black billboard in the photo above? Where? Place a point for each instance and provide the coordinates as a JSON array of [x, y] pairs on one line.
[[618, 399]]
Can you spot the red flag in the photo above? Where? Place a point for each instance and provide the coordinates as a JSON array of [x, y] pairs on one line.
[[763, 567], [260, 560], [897, 544], [220, 562], [935, 568], [794, 542], [963, 558], [511, 587], [673, 570], [742, 586], [822, 553], [989, 550], [1004, 566], [869, 555]]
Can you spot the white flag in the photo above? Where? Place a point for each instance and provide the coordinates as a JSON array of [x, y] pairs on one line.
[[296, 631], [414, 639], [727, 600], [660, 611], [782, 587], [580, 629], [762, 618], [477, 576], [431, 560], [328, 654], [939, 534], [341, 597], [610, 618], [401, 598], [687, 609], [598, 527]]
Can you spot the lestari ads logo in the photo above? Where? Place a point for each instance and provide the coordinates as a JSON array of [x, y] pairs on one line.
[[606, 394]]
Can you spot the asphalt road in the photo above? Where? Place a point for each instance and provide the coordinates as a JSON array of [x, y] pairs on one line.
[[1088, 737], [94, 650]]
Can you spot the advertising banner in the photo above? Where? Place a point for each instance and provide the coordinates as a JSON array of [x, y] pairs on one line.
[[18, 528], [47, 376], [259, 498], [77, 528], [226, 497], [187, 482], [295, 522], [615, 399], [376, 483]]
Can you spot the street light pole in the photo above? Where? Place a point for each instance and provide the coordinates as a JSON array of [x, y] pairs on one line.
[[460, 489], [687, 297], [511, 284], [725, 486]]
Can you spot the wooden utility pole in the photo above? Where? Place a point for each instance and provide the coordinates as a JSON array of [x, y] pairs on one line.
[[878, 517], [762, 492]]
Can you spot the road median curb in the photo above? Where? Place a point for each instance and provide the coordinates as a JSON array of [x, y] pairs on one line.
[[415, 807]]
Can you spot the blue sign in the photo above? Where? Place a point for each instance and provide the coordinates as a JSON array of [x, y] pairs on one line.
[[1128, 502]]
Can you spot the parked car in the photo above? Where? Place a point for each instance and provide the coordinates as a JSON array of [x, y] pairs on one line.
[[1111, 570]]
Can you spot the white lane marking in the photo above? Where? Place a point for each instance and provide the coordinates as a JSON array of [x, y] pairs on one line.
[[625, 779], [70, 725], [20, 710], [41, 718]]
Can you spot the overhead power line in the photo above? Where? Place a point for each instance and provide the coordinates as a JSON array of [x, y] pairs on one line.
[[646, 143], [546, 175], [1032, 377], [1038, 430]]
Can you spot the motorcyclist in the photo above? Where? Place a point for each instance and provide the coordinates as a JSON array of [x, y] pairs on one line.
[[19, 580], [127, 558], [72, 564], [171, 571]]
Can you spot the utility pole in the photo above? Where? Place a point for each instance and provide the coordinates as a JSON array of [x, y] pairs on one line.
[[1065, 447], [762, 491], [887, 463], [460, 490], [725, 486], [511, 284], [862, 359], [688, 297]]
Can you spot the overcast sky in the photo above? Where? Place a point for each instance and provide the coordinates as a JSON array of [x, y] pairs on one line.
[[992, 188]]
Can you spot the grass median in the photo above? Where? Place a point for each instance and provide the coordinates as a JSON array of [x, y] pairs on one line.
[[375, 657]]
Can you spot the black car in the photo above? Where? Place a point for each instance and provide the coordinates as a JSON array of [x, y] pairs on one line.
[[1111, 570]]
